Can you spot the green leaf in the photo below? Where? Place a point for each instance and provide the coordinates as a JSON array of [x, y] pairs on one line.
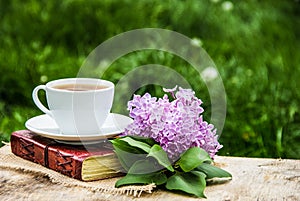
[[136, 143], [126, 153], [212, 171], [190, 182], [161, 156], [143, 167], [157, 177], [125, 146], [126, 158], [147, 140], [192, 158]]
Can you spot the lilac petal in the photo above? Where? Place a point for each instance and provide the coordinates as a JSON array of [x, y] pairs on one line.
[[176, 125]]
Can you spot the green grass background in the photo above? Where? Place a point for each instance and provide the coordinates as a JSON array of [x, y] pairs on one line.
[[254, 44]]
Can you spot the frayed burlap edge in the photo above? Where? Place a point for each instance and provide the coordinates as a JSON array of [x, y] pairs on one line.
[[10, 161]]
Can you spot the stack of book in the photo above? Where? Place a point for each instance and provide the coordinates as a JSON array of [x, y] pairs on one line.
[[84, 162]]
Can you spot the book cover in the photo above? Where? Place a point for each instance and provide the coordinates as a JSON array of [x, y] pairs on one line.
[[87, 163]]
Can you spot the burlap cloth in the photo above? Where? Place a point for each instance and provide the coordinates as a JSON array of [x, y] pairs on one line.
[[253, 179], [10, 161]]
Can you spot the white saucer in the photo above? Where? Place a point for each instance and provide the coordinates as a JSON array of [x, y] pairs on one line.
[[45, 126]]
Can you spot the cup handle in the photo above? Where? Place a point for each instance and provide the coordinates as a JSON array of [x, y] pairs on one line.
[[37, 101]]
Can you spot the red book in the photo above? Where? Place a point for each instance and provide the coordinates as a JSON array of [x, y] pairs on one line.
[[87, 163]]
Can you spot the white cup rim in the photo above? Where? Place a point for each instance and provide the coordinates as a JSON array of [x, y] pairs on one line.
[[96, 81]]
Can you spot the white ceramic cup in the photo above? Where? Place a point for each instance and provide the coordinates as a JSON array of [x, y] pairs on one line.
[[81, 110]]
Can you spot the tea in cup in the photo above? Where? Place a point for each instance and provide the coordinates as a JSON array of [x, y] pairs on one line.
[[78, 105]]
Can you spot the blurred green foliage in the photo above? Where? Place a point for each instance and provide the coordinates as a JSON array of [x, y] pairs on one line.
[[255, 45]]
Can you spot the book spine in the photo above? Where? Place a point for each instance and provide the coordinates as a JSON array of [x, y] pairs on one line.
[[38, 150], [22, 145], [64, 163]]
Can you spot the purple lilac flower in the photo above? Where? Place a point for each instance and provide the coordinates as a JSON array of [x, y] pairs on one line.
[[176, 125]]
